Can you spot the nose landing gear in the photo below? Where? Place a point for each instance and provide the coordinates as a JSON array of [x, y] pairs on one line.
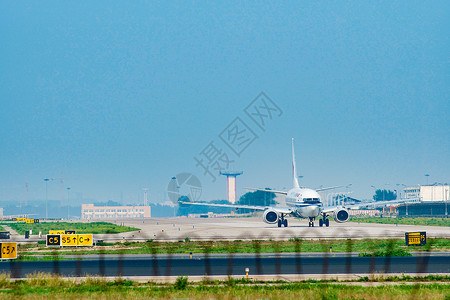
[[311, 222]]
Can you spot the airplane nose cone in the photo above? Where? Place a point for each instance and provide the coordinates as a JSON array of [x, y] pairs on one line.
[[311, 211], [316, 210]]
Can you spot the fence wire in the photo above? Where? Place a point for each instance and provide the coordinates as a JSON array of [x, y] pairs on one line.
[[232, 263]]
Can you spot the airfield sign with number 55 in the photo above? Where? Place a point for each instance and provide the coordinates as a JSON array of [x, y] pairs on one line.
[[69, 240]]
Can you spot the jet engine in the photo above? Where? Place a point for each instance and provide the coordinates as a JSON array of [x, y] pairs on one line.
[[270, 216], [341, 215]]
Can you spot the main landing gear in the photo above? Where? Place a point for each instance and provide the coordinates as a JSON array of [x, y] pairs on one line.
[[282, 221], [324, 221], [311, 222]]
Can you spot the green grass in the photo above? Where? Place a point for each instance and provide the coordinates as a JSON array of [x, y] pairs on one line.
[[394, 246], [394, 251], [404, 221], [2, 228], [48, 286], [91, 227]]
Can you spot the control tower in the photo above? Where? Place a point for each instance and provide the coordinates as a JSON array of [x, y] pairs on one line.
[[231, 184]]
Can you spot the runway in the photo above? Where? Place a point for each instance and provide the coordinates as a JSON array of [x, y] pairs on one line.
[[215, 265], [252, 228]]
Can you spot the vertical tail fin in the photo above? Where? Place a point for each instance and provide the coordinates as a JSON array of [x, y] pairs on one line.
[[294, 171]]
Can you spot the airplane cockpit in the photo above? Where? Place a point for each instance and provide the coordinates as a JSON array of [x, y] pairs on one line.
[[311, 200]]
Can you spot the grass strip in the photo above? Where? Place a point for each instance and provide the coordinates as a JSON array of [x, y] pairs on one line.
[[92, 227], [404, 221], [44, 285], [393, 247]]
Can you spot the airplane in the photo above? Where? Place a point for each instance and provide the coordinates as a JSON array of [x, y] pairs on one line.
[[302, 203]]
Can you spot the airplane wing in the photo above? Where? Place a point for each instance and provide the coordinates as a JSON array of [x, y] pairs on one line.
[[372, 204], [329, 188], [270, 191], [282, 210]]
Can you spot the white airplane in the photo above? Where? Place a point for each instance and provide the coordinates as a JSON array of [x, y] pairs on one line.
[[302, 203]]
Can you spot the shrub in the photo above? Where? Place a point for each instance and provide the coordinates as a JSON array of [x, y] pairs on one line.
[[181, 283]]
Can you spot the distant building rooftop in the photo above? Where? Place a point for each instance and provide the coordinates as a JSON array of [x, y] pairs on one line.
[[90, 211]]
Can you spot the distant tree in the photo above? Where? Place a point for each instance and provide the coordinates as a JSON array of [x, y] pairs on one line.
[[385, 195], [259, 198]]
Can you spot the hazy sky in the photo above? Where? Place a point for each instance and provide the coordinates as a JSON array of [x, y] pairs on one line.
[[116, 96]]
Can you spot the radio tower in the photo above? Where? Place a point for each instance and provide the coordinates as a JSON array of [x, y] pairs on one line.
[[231, 184]]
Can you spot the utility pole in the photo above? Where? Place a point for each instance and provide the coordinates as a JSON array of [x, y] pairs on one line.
[[46, 197], [68, 204], [26, 192]]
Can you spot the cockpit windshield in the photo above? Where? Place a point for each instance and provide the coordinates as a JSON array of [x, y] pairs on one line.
[[311, 200]]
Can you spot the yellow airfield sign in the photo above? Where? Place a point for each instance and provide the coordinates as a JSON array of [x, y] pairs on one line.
[[69, 240], [61, 232], [416, 238], [85, 239], [56, 232], [8, 250]]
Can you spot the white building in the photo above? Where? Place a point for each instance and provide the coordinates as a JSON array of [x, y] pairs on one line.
[[428, 192], [89, 211]]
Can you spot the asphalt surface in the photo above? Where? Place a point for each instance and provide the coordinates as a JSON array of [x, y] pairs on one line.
[[229, 265], [253, 228], [249, 228]]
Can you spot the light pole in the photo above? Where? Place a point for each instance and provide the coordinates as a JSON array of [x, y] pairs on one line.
[[375, 189], [46, 197], [68, 206], [174, 206], [445, 199], [347, 191]]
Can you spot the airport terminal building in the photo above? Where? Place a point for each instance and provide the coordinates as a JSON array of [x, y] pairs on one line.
[[432, 201], [90, 212], [425, 193]]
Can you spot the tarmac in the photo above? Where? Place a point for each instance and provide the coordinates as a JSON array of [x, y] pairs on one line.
[[253, 228], [248, 228]]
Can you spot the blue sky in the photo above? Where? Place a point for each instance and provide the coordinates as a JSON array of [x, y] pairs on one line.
[[116, 96]]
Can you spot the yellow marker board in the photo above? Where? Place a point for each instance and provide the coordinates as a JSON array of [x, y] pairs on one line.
[[21, 219], [415, 238], [84, 239], [8, 250], [53, 240], [30, 221], [56, 232], [61, 232], [69, 240]]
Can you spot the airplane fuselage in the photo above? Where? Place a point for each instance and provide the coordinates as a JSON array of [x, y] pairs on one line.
[[305, 202]]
